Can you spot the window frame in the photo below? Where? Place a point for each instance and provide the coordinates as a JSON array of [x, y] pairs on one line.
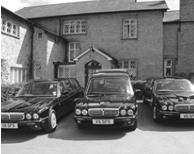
[[166, 67], [129, 61], [12, 25], [75, 50], [74, 24], [129, 37], [18, 74]]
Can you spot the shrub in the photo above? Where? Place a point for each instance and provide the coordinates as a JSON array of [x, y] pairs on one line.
[[9, 91]]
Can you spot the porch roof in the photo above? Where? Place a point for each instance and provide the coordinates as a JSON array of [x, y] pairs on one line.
[[93, 49]]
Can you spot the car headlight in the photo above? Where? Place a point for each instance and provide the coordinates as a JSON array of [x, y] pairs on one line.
[[78, 112], [130, 112], [170, 108], [35, 116], [84, 112], [28, 116], [123, 112], [164, 107]]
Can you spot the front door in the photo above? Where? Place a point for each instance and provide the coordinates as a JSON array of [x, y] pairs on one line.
[[90, 68]]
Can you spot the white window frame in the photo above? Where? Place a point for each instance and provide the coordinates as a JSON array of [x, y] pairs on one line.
[[18, 74], [75, 50], [69, 68], [81, 29], [166, 66], [130, 28], [130, 66], [12, 31]]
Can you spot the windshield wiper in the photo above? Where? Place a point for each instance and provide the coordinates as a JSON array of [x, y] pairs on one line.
[[95, 94], [165, 90]]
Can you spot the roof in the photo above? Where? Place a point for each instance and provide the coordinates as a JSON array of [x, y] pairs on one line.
[[171, 16], [90, 7], [93, 49], [31, 23], [14, 14]]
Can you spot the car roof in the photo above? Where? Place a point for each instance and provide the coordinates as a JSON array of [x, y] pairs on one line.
[[43, 80], [111, 72]]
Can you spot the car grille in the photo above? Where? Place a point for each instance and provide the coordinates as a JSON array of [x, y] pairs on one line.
[[103, 112], [184, 107], [14, 116]]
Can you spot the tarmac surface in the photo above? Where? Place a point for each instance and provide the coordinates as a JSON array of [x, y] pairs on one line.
[[148, 138]]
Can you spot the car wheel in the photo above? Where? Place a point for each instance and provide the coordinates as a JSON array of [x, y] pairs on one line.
[[155, 116], [51, 124]]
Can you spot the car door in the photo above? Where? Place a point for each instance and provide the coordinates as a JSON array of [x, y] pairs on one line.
[[68, 93]]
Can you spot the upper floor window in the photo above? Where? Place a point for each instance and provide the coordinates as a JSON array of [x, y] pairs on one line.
[[74, 48], [10, 28], [129, 28], [74, 27]]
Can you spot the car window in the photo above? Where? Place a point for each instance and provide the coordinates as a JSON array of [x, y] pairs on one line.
[[75, 84], [67, 84], [110, 85]]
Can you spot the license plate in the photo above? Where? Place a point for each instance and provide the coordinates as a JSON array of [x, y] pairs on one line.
[[187, 116], [103, 121], [9, 125]]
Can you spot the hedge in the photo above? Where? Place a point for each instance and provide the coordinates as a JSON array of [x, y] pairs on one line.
[[8, 91]]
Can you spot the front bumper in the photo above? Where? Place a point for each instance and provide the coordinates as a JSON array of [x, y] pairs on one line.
[[32, 124], [118, 121], [173, 115]]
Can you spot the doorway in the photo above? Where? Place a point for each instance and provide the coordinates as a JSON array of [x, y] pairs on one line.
[[90, 68]]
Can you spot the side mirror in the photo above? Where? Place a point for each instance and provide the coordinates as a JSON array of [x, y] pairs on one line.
[[139, 96]]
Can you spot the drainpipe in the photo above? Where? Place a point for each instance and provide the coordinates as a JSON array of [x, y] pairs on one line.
[[31, 68]]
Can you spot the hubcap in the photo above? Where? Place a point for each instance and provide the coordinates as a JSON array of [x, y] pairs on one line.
[[53, 120]]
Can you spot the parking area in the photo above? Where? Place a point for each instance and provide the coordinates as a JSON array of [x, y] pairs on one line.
[[148, 138]]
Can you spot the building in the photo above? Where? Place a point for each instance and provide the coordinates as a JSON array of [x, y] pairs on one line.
[[27, 50], [179, 40], [104, 34]]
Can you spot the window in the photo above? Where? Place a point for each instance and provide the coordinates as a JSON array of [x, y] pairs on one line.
[[129, 28], [74, 27], [74, 48], [168, 66], [131, 65], [18, 75], [67, 71], [9, 28]]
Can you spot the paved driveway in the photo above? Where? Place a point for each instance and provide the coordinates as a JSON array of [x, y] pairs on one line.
[[148, 138]]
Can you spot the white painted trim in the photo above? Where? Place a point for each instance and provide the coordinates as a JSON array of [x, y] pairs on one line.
[[83, 53], [108, 58], [95, 49]]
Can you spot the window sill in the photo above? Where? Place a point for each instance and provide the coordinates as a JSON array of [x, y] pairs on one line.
[[74, 34], [129, 38], [17, 37]]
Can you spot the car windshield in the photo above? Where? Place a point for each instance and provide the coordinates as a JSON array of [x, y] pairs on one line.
[[110, 85], [173, 85], [38, 89]]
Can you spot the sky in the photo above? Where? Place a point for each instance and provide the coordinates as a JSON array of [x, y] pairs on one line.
[[15, 5]]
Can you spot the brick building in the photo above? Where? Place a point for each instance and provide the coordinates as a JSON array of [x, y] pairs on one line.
[[105, 34], [26, 47], [179, 40], [76, 39]]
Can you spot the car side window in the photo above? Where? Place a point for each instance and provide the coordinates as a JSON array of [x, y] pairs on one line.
[[67, 85], [62, 87], [75, 84]]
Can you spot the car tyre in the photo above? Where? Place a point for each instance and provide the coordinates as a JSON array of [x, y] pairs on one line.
[[51, 124]]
